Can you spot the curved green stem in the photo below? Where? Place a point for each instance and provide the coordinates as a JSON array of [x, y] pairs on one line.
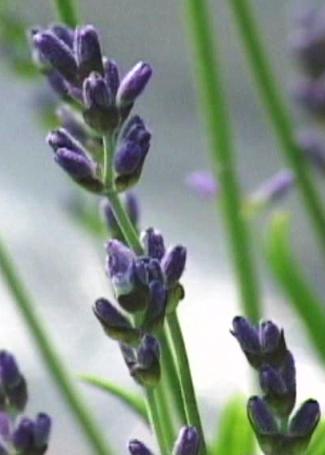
[[156, 421], [52, 360], [67, 12], [220, 136], [278, 113], [185, 377]]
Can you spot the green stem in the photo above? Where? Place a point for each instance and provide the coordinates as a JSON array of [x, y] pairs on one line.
[[125, 223], [278, 113], [67, 12], [171, 376], [51, 358], [185, 377], [220, 136], [166, 420], [156, 421]]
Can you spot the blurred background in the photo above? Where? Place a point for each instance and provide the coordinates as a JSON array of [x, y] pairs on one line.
[[63, 265]]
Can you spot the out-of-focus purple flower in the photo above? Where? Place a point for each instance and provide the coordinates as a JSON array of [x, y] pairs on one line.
[[137, 447], [42, 430], [12, 383], [310, 94], [133, 84], [273, 189], [307, 40], [312, 146], [203, 183], [188, 442]]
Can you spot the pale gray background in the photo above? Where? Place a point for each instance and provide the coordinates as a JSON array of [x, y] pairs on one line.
[[63, 266]]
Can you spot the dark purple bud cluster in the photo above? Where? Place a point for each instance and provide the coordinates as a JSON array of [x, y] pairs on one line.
[[143, 286], [188, 443], [76, 69], [19, 434], [265, 349]]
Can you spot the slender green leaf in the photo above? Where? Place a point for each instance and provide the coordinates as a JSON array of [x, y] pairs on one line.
[[234, 434], [133, 401], [67, 11], [290, 277]]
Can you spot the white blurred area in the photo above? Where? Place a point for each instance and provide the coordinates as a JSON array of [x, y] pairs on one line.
[[63, 266]]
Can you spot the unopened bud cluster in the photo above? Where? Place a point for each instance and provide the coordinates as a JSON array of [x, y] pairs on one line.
[[98, 104], [277, 431], [18, 434], [144, 288]]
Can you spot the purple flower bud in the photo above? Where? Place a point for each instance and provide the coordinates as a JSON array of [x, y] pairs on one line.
[[130, 130], [156, 310], [261, 417], [57, 53], [17, 395], [133, 84], [61, 139], [79, 167], [112, 76], [128, 158], [153, 243], [305, 420], [188, 442], [64, 33], [95, 92], [246, 334], [138, 448], [203, 183], [42, 429], [23, 437], [132, 207], [313, 148], [270, 336], [10, 375], [120, 259], [173, 265], [114, 323], [147, 369], [87, 51], [101, 114], [272, 382], [274, 189]]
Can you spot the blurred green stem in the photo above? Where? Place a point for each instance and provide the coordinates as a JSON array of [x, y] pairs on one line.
[[289, 275], [220, 136], [55, 366], [67, 12], [279, 115]]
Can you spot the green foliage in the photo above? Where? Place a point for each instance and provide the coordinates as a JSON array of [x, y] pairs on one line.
[[134, 402], [234, 435]]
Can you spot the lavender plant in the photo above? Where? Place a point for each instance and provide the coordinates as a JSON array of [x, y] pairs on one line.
[[102, 145]]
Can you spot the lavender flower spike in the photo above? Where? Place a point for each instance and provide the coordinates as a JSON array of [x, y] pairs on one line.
[[133, 84], [137, 447], [188, 442]]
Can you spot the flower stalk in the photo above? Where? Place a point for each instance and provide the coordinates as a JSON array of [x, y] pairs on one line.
[[219, 130]]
